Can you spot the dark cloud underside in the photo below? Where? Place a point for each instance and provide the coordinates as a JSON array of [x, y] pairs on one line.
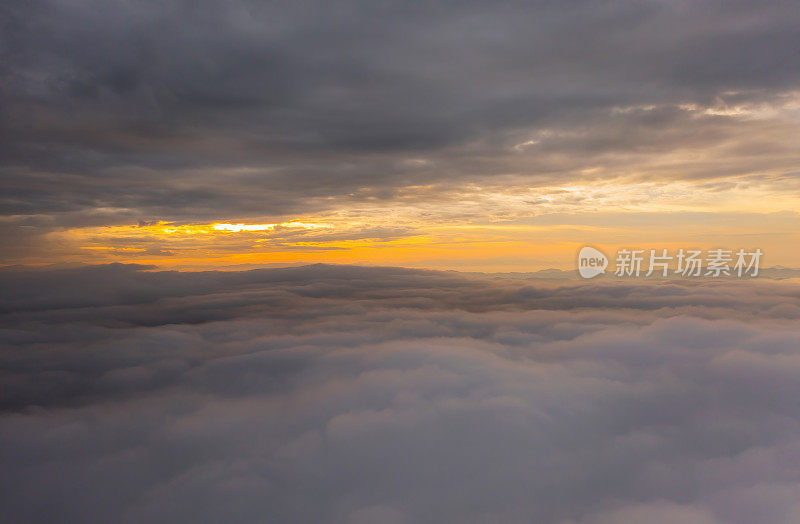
[[144, 107]]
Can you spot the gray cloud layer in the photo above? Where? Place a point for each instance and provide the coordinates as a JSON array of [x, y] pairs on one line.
[[363, 395], [139, 109]]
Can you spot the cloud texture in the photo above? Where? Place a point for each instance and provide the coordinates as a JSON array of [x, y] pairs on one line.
[[378, 395], [195, 111]]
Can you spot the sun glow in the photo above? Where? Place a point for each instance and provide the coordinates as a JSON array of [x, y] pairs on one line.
[[267, 227], [244, 227], [505, 227]]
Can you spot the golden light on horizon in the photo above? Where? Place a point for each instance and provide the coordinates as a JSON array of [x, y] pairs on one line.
[[511, 227]]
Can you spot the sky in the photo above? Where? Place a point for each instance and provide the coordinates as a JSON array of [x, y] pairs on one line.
[[476, 136]]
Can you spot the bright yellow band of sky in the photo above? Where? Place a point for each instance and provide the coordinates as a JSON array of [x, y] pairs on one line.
[[480, 229]]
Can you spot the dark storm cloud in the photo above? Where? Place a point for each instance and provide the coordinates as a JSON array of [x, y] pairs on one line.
[[345, 394], [146, 106]]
